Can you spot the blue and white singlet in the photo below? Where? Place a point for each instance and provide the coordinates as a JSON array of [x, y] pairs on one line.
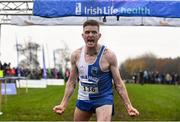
[[94, 84]]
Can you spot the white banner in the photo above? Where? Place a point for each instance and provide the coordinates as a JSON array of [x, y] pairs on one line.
[[109, 20], [36, 20]]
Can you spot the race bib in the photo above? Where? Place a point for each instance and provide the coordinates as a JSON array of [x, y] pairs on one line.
[[88, 87]]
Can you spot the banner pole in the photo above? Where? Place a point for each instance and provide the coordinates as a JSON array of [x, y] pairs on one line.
[[0, 98], [0, 80]]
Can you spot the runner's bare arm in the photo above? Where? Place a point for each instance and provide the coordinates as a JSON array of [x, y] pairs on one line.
[[119, 84], [70, 85]]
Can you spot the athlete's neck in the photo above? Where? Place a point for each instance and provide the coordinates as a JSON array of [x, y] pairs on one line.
[[92, 50]]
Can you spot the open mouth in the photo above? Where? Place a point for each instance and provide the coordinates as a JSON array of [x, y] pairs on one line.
[[90, 41]]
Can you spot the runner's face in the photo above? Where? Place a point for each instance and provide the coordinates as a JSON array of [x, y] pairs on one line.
[[91, 35]]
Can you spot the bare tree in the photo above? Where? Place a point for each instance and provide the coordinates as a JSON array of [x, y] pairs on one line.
[[62, 57], [29, 51]]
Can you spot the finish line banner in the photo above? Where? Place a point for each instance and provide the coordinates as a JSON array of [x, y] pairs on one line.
[[148, 8], [110, 21]]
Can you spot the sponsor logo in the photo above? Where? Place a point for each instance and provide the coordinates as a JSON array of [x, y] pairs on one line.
[[94, 71], [110, 10], [94, 79], [78, 9]]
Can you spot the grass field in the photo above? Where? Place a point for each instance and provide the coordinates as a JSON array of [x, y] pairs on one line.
[[154, 102]]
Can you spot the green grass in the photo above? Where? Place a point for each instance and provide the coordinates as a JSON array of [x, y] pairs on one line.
[[154, 102]]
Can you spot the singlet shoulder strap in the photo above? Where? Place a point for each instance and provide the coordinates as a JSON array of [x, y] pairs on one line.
[[100, 53], [82, 60]]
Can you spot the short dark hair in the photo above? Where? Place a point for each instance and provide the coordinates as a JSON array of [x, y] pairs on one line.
[[91, 22]]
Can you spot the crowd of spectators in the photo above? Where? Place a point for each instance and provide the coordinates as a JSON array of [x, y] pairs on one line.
[[141, 77], [7, 70], [34, 73], [155, 77]]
